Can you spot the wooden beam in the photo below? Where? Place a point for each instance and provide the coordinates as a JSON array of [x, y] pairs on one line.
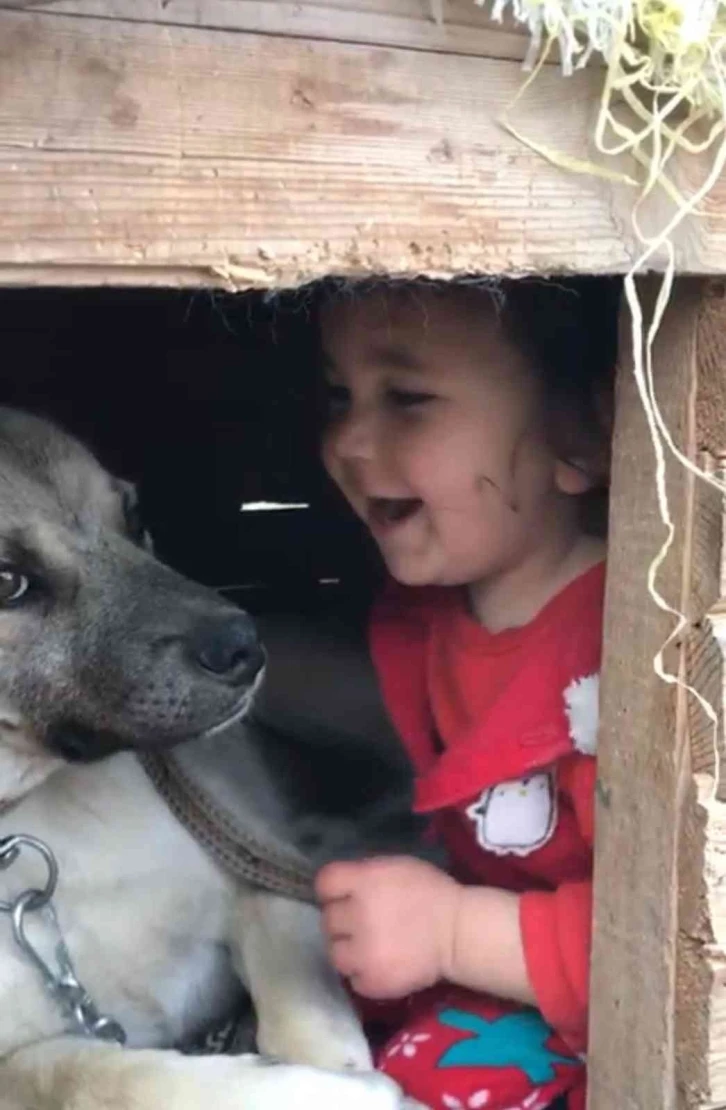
[[658, 1008], [450, 26], [136, 153]]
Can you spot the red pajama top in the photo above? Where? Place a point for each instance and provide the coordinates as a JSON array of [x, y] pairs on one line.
[[501, 729]]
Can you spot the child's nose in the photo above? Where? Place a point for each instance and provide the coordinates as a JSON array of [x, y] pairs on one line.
[[355, 436]]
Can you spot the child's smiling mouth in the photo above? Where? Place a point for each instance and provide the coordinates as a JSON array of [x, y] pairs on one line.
[[386, 512]]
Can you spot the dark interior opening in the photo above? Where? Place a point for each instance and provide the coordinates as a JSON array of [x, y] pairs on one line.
[[207, 402]]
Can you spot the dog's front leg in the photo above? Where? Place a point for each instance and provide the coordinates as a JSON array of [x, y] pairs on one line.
[[304, 1014], [72, 1074]]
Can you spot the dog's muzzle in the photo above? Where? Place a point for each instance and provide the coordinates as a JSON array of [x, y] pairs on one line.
[[219, 651], [227, 649]]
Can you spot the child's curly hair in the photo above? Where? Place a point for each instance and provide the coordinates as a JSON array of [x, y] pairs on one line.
[[568, 329]]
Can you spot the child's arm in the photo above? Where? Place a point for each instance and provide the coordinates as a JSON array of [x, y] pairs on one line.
[[399, 925], [533, 948], [556, 927], [487, 952]]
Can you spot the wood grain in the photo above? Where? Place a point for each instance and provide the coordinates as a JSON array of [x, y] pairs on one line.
[[700, 1044], [459, 27], [138, 153], [701, 957], [658, 1006], [644, 772]]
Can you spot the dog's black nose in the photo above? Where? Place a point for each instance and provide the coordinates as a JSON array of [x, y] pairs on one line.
[[228, 647]]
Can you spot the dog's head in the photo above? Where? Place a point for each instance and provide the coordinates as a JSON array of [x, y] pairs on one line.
[[101, 646]]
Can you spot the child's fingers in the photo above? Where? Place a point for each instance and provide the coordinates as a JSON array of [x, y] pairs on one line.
[[336, 881], [338, 919], [343, 957]]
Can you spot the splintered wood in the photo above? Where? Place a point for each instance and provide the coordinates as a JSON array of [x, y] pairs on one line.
[[658, 1028]]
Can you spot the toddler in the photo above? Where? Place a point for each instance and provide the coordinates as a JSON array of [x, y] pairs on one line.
[[468, 429]]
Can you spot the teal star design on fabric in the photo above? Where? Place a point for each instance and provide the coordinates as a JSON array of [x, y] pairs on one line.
[[508, 1041]]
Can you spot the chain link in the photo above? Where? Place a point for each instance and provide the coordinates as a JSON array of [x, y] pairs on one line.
[[62, 983]]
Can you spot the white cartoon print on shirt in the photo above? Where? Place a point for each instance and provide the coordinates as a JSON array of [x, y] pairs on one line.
[[515, 818]]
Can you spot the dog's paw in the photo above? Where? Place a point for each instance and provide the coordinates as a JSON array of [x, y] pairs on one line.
[[334, 1041], [284, 1086]]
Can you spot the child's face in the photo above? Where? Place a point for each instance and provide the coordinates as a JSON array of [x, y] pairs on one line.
[[435, 435]]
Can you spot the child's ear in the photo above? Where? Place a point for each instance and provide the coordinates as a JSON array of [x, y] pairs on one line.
[[572, 476]]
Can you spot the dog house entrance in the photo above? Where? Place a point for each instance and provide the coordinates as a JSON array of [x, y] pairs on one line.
[[205, 402], [209, 404]]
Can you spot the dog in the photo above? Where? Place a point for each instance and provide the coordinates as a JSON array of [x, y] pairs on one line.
[[104, 652]]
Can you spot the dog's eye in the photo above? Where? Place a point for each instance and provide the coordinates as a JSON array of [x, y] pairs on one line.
[[12, 586]]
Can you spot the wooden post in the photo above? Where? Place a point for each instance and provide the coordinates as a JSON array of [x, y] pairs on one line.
[[657, 1021], [701, 963]]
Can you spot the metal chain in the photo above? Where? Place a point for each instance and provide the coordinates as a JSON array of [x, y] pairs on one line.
[[62, 983]]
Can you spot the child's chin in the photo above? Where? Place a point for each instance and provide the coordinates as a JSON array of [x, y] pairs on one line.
[[410, 573], [407, 573]]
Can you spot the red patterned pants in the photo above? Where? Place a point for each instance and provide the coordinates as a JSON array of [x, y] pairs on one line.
[[457, 1050]]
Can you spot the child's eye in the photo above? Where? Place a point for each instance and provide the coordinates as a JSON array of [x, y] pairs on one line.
[[407, 399]]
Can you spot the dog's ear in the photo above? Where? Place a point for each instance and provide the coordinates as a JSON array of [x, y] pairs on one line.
[[132, 515]]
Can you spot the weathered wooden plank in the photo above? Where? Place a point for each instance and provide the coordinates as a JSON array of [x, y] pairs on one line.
[[701, 967], [658, 1034], [451, 26], [644, 771], [131, 151], [708, 579]]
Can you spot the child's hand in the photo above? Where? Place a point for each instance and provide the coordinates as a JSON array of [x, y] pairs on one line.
[[390, 923]]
